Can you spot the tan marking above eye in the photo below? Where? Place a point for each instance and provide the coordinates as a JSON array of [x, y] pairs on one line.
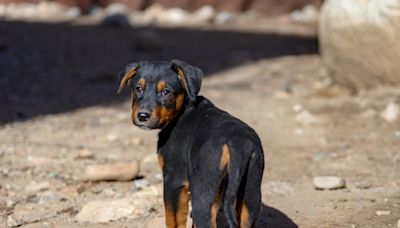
[[142, 83], [160, 86]]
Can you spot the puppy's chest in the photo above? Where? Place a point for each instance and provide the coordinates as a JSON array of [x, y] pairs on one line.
[[173, 153]]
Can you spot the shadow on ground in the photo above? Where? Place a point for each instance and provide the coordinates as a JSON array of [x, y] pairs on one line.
[[56, 68], [269, 217]]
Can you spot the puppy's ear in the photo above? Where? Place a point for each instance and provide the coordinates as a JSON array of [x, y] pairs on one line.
[[128, 72], [190, 77]]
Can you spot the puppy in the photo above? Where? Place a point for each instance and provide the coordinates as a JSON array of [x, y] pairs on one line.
[[201, 149]]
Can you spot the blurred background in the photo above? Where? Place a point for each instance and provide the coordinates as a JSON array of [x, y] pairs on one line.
[[318, 80]]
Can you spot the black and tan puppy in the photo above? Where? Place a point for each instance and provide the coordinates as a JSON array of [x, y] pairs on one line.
[[202, 149]]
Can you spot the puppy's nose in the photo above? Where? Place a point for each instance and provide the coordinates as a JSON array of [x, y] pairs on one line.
[[143, 116]]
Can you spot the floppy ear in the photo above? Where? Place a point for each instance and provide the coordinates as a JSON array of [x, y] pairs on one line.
[[125, 74], [190, 77]]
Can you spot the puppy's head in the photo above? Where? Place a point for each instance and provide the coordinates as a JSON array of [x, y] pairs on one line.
[[160, 90]]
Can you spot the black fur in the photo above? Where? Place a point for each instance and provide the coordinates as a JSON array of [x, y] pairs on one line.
[[191, 147]]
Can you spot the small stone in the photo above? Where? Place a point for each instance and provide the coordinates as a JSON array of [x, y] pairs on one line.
[[141, 183], [370, 113], [391, 112], [306, 15], [305, 118], [84, 154], [137, 141], [105, 211], [383, 212], [32, 212], [320, 156], [281, 94], [13, 222], [72, 190], [108, 192], [297, 108], [175, 16], [329, 182], [363, 185], [111, 137], [116, 8], [10, 203], [299, 131], [48, 196], [37, 187], [224, 17], [398, 223], [112, 172], [203, 14]]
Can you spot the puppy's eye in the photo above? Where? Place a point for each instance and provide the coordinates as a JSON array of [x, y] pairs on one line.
[[165, 92], [138, 89]]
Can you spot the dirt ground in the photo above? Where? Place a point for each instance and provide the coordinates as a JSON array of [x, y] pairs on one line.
[[58, 97]]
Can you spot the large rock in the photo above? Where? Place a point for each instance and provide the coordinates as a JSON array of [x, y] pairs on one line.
[[138, 205], [124, 171], [105, 211], [359, 42]]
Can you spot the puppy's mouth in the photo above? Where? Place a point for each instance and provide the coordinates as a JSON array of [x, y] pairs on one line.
[[147, 125]]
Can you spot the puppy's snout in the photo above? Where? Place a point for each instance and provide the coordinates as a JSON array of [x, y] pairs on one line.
[[143, 116]]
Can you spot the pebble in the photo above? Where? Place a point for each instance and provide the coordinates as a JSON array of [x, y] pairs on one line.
[[105, 211], [297, 108], [37, 187], [72, 190], [174, 16], [370, 113], [111, 137], [85, 154], [305, 118], [108, 192], [323, 155], [329, 182], [398, 224], [363, 185], [48, 196], [137, 141], [224, 17], [204, 14], [116, 8], [141, 183], [306, 15], [383, 212], [112, 172], [391, 112], [13, 222], [32, 212]]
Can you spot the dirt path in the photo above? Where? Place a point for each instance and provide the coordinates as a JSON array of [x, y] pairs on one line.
[[339, 134]]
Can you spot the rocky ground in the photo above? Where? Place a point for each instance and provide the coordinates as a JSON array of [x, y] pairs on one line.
[[59, 116]]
